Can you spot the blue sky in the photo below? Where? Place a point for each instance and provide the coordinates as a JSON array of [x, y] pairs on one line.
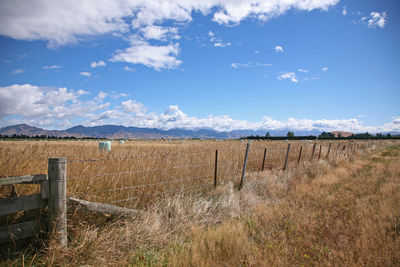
[[299, 64]]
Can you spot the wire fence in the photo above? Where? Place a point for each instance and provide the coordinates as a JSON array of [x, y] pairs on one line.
[[137, 180]]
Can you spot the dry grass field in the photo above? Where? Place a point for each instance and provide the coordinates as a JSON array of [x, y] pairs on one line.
[[344, 210]]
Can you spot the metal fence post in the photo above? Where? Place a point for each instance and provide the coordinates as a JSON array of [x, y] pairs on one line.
[[265, 154], [301, 149], [216, 168], [313, 150], [287, 156], [244, 166], [57, 173], [329, 150]]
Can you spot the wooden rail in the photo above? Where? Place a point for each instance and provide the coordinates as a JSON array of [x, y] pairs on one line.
[[26, 179], [23, 203]]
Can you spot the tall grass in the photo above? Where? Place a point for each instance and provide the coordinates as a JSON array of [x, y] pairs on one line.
[[318, 212], [118, 177]]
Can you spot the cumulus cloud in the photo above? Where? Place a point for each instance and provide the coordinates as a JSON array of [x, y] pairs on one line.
[[65, 21], [278, 49], [303, 70], [18, 71], [237, 65], [61, 107], [324, 69], [344, 11], [95, 64], [217, 41], [132, 106], [377, 19], [71, 21], [160, 33], [85, 73], [52, 67], [153, 56], [126, 68], [44, 106], [288, 75]]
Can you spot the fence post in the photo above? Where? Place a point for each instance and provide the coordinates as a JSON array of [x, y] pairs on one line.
[[244, 166], [287, 156], [265, 154], [301, 149], [329, 150], [313, 151], [319, 155], [57, 173], [216, 168]]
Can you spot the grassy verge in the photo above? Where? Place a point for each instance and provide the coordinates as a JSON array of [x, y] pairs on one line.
[[349, 215]]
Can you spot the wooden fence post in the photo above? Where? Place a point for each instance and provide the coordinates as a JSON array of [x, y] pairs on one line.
[[301, 149], [329, 150], [216, 168], [313, 150], [319, 155], [265, 154], [57, 173], [244, 166], [287, 156]]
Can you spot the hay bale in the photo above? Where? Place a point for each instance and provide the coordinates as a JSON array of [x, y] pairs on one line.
[[106, 145]]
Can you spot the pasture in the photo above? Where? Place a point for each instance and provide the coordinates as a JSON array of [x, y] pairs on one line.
[[314, 212]]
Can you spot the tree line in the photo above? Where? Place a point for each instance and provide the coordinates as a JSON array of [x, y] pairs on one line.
[[323, 136]]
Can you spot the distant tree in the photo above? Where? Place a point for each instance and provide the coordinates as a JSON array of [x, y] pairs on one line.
[[268, 135], [290, 134], [325, 135], [339, 135]]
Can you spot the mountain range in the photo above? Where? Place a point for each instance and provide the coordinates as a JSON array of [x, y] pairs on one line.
[[118, 131], [123, 132]]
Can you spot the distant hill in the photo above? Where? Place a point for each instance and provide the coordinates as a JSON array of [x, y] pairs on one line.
[[119, 131], [343, 134]]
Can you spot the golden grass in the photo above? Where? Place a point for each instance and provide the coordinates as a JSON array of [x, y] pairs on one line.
[[337, 212], [139, 163]]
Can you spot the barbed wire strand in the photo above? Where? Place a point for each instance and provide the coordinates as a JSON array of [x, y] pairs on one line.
[[141, 156], [138, 171], [150, 184]]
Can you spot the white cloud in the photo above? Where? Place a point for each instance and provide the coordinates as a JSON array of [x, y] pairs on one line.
[[157, 57], [132, 106], [52, 67], [324, 69], [237, 65], [18, 71], [160, 33], [62, 107], [241, 65], [288, 75], [95, 64], [377, 19], [303, 70], [85, 73], [233, 12], [65, 21], [71, 21], [217, 41], [344, 11], [44, 106], [100, 96], [126, 68], [278, 49]]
